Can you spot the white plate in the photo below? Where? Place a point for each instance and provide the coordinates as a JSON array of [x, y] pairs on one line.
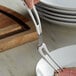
[[61, 4], [61, 19], [58, 22], [50, 12], [56, 9], [66, 57]]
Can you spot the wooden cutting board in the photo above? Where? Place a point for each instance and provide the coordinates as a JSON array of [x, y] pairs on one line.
[[15, 29]]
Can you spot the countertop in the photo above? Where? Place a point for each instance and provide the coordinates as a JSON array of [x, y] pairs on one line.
[[22, 60]]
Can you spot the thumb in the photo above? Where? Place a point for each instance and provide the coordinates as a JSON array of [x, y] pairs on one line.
[[29, 3]]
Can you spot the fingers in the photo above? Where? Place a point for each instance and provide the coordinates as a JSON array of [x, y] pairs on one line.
[[36, 1], [30, 3]]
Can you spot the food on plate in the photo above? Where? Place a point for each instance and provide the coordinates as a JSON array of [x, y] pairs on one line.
[[66, 72]]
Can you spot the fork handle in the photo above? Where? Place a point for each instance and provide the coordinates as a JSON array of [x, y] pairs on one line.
[[35, 17]]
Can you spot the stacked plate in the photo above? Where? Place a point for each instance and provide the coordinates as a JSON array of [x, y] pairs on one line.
[[62, 12]]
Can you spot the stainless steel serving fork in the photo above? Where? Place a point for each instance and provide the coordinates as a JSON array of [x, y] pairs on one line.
[[42, 48]]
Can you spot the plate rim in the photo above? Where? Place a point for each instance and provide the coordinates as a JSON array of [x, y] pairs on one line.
[[59, 14], [65, 47], [59, 23], [55, 14], [58, 7], [67, 20]]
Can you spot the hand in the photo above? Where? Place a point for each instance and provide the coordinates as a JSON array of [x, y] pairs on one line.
[[30, 3]]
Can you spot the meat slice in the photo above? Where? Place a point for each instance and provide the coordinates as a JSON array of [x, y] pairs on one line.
[[66, 72]]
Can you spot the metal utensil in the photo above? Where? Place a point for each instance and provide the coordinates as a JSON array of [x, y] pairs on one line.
[[42, 48]]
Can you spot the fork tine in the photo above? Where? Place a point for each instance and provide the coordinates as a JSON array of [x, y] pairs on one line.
[[43, 49]]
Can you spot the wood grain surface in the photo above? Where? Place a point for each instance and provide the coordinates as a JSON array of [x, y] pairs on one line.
[[15, 29]]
